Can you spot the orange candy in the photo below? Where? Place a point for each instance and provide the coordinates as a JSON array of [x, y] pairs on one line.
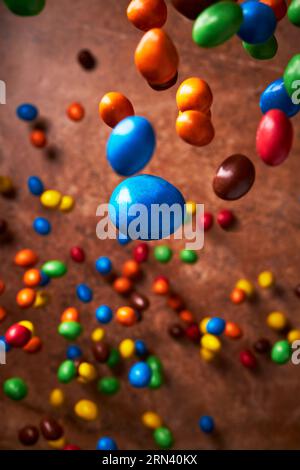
[[187, 316], [32, 278], [126, 316], [70, 314], [122, 285], [157, 59], [2, 287], [2, 314], [237, 296], [194, 94], [25, 258], [25, 297], [195, 128], [34, 345], [175, 302], [131, 269], [147, 14], [75, 112], [160, 286], [232, 330], [38, 138], [114, 107]]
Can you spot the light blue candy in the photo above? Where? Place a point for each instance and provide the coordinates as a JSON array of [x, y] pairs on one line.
[[106, 443], [259, 22], [140, 375], [275, 96], [104, 314], [215, 326]]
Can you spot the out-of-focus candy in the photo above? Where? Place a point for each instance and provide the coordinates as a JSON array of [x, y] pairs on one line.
[[281, 352], [294, 12], [51, 198], [25, 7], [279, 7], [27, 112], [86, 410], [54, 268], [26, 258], [67, 203]]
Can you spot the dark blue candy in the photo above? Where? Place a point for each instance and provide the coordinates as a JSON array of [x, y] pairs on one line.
[[259, 22], [139, 375], [6, 345], [106, 443], [84, 293], [45, 279], [140, 348], [103, 265], [73, 352], [206, 424], [104, 314], [275, 96], [131, 145], [27, 112], [42, 226], [215, 326], [35, 185], [146, 190]]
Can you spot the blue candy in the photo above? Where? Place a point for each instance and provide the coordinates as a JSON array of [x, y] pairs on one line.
[[27, 112], [139, 375], [259, 22], [146, 190], [206, 424], [275, 96], [215, 326], [106, 443], [45, 279], [140, 348], [84, 293], [6, 345], [103, 265], [35, 185], [73, 352], [42, 226], [104, 314], [131, 145], [122, 239]]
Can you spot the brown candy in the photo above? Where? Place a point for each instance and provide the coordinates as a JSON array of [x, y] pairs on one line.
[[29, 435], [139, 301], [192, 8], [234, 177], [101, 351], [262, 345], [176, 331], [51, 429], [86, 59]]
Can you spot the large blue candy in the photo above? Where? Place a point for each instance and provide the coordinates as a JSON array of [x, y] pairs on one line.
[[139, 375], [151, 192], [259, 22], [131, 145], [27, 112], [275, 96]]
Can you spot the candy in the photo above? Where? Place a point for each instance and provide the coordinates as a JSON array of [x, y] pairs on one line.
[[77, 254], [146, 190], [161, 286], [86, 410], [69, 314], [155, 364], [127, 348], [140, 348], [25, 7], [38, 138], [58, 444], [176, 331], [281, 352], [101, 351], [191, 208], [274, 137], [211, 342], [151, 420], [15, 388], [194, 94], [67, 203], [203, 324], [7, 347], [293, 335], [139, 375], [141, 252], [87, 372], [265, 51], [74, 352], [163, 253], [33, 346], [51, 429], [97, 334], [277, 321], [122, 239], [217, 23], [266, 279], [247, 359], [147, 14], [114, 358], [122, 285], [262, 346], [27, 324], [54, 268], [234, 177], [84, 293], [51, 198], [57, 397], [66, 371], [259, 22], [75, 112], [131, 269], [275, 97], [3, 314], [279, 7], [103, 265], [104, 314], [70, 330], [108, 385], [28, 435], [42, 226], [27, 112], [126, 316], [32, 277], [188, 256], [206, 221], [25, 297], [25, 258], [225, 218], [86, 59], [139, 302], [215, 326], [157, 59], [195, 128], [44, 279], [207, 355], [17, 335], [245, 286], [232, 330], [130, 145], [71, 447], [291, 77], [114, 107], [294, 12], [187, 317], [163, 437], [206, 424], [106, 443], [192, 332], [176, 302]]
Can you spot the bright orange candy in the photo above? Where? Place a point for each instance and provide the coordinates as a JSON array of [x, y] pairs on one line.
[[70, 314], [232, 330], [147, 14], [32, 277], [34, 345], [25, 297], [160, 286], [38, 138], [186, 316], [3, 314], [126, 316], [2, 286], [26, 258], [194, 94], [75, 112], [237, 296], [131, 269], [195, 128], [122, 285], [156, 58], [278, 6], [114, 107]]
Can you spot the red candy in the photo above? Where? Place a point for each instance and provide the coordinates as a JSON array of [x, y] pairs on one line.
[[207, 221], [71, 447], [274, 137], [248, 359], [225, 218], [141, 252], [17, 335], [193, 332], [77, 254]]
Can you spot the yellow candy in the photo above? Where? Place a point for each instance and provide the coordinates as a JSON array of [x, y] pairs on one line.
[[41, 299], [86, 410], [293, 335], [57, 397], [203, 324], [87, 372], [58, 444], [51, 198], [151, 420], [97, 334], [190, 207], [67, 204], [211, 342], [207, 355], [277, 321], [246, 286], [266, 279], [127, 348], [27, 325], [6, 184]]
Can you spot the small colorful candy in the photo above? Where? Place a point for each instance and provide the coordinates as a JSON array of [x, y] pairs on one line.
[[77, 254], [281, 352], [38, 138], [246, 286], [294, 12], [194, 94], [139, 301], [87, 372], [75, 112], [186, 316], [26, 258], [259, 22], [291, 78], [15, 388], [277, 321], [108, 385], [17, 335], [141, 252], [106, 443], [126, 316], [3, 314], [265, 51], [163, 253], [211, 342], [127, 348], [278, 6], [206, 221], [86, 410], [28, 435], [25, 7], [70, 314], [33, 346], [27, 112], [275, 96], [44, 279], [195, 128], [42, 226], [101, 351], [225, 218], [176, 331], [206, 424], [25, 297], [163, 437], [262, 345], [131, 269], [161, 285], [114, 107], [103, 265], [74, 352], [232, 330], [57, 397], [147, 14], [234, 177], [151, 420], [67, 203], [86, 59], [70, 330], [51, 198], [248, 359], [114, 358], [122, 285], [51, 429], [216, 326], [139, 375], [188, 256], [141, 349], [104, 314], [192, 332], [35, 185], [66, 371], [266, 279], [54, 268], [97, 334]]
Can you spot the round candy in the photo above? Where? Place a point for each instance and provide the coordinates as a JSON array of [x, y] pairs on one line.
[[66, 371], [86, 410], [217, 23], [161, 285], [163, 253], [234, 177], [27, 112], [277, 321], [32, 277], [38, 138], [130, 145], [103, 265], [54, 268], [194, 94], [237, 296], [25, 7], [141, 252], [246, 286], [86, 59], [17, 335], [176, 331], [163, 437], [67, 203], [281, 352], [69, 314], [122, 285], [108, 385], [215, 326], [232, 330], [248, 359], [293, 335], [42, 226], [225, 218], [87, 372], [114, 107], [106, 443], [266, 50], [139, 301], [291, 78], [70, 330], [155, 364], [275, 97], [278, 6], [259, 22], [266, 279], [114, 358], [262, 346], [131, 269], [51, 429], [25, 258], [101, 351], [15, 388], [195, 128], [147, 14], [50, 198], [26, 297], [151, 420], [126, 316], [127, 348], [140, 348], [206, 424], [28, 435], [104, 314], [75, 112], [143, 192], [74, 352], [206, 221], [84, 293], [139, 375], [188, 256], [211, 342], [77, 254], [294, 12], [274, 137], [57, 397]]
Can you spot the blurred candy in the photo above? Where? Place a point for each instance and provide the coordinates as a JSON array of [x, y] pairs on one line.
[[291, 78], [50, 198], [77, 254], [163, 253], [192, 8], [126, 316], [27, 112], [141, 252], [25, 7], [206, 424], [38, 138], [33, 346], [70, 314], [127, 348], [277, 321], [114, 107], [35, 185], [74, 352], [67, 203], [66, 371], [84, 293], [215, 326], [294, 12], [103, 265], [28, 435], [211, 342], [139, 375], [86, 410], [25, 297], [188, 256], [234, 177], [75, 112], [266, 279], [106, 443], [6, 185], [232, 330], [262, 346], [17, 335], [248, 359], [15, 388], [104, 314], [42, 226], [279, 7], [281, 352], [54, 268], [101, 351], [25, 258], [108, 385], [225, 218], [206, 221], [245, 286], [51, 429], [123, 285], [163, 437], [151, 420], [70, 330], [147, 14], [86, 59]]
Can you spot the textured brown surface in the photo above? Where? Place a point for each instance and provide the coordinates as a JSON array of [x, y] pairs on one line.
[[38, 63]]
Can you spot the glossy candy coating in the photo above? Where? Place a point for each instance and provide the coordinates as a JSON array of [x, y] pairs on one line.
[[234, 177], [101, 351], [264, 51], [84, 293], [38, 138], [54, 268], [259, 22], [294, 12], [248, 359], [108, 385], [51, 429], [70, 330], [188, 256], [126, 316], [291, 78], [215, 326], [77, 254], [151, 420], [104, 314], [130, 145], [195, 128], [25, 7], [163, 253], [225, 218], [35, 185], [42, 226], [25, 297], [74, 352], [17, 335], [163, 437], [206, 424], [139, 375], [28, 435], [194, 94], [66, 371], [281, 352], [106, 443], [27, 112], [75, 112], [103, 265], [86, 410], [51, 198], [15, 388], [26, 258], [114, 107], [141, 252], [147, 14], [275, 97]]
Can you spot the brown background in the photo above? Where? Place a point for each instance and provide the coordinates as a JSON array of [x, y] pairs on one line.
[[38, 64]]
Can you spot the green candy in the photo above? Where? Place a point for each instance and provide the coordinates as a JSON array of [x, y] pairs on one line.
[[156, 379], [114, 358], [294, 12], [108, 385], [264, 51], [163, 437], [70, 329], [155, 364], [25, 7], [217, 23], [66, 371], [188, 256], [291, 77], [281, 352], [15, 388], [54, 268], [163, 253]]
